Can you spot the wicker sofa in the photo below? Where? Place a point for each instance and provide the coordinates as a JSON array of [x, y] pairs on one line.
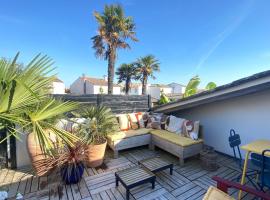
[[175, 144]]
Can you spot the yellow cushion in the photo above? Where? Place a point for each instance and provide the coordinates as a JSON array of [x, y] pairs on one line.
[[175, 138], [125, 134], [216, 194]]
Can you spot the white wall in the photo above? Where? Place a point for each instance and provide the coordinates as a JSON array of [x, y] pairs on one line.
[[77, 87], [177, 88], [248, 115], [166, 90], [22, 154], [154, 92], [58, 88], [116, 90]]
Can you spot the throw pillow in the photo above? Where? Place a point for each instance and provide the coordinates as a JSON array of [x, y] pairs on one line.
[[191, 129], [175, 124], [124, 123], [164, 121], [134, 124], [153, 123], [139, 117]]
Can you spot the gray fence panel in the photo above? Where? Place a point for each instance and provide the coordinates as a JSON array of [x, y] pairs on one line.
[[118, 103]]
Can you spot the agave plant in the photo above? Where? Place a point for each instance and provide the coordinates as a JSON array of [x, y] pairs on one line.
[[99, 122], [24, 101]]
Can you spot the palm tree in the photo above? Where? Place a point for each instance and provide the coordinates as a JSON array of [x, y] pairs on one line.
[[146, 67], [24, 102], [114, 28], [125, 73]]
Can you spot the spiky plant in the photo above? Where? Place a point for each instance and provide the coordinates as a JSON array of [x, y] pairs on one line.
[[24, 102], [99, 122], [114, 28]]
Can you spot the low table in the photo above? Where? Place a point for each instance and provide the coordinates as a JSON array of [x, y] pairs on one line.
[[156, 164], [133, 177]]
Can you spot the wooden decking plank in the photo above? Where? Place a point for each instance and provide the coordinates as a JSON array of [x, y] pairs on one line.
[[83, 189], [110, 194], [117, 194], [69, 192], [190, 192], [104, 195], [75, 191], [35, 184], [154, 194], [183, 189]]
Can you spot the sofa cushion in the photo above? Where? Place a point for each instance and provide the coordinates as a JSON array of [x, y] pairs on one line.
[[123, 120], [175, 138], [216, 194], [126, 134], [175, 124]]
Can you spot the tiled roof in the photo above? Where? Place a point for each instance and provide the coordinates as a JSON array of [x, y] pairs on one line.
[[57, 80], [98, 81]]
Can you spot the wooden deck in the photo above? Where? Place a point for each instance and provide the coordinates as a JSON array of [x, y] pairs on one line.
[[187, 182]]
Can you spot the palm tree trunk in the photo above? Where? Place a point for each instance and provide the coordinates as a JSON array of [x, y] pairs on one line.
[[127, 86], [144, 84], [111, 63]]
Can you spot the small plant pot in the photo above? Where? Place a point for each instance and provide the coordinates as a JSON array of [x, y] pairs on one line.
[[96, 154], [72, 174]]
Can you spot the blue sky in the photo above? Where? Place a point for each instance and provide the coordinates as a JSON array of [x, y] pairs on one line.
[[220, 41]]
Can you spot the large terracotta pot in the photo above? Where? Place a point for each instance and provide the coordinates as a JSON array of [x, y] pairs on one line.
[[36, 154], [96, 154]]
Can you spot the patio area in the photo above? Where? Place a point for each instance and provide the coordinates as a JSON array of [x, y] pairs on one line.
[[187, 182]]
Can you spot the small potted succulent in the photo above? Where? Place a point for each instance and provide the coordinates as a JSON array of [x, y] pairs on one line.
[[71, 162], [99, 122]]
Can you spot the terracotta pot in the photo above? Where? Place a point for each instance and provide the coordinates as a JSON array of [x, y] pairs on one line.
[[96, 154], [35, 153]]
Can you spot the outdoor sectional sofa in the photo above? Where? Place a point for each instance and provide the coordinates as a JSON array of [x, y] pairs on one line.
[[175, 144]]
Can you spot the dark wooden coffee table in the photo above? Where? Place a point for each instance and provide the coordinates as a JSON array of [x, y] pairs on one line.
[[156, 164], [133, 177]]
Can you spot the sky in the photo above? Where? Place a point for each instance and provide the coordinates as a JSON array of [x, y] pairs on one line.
[[219, 40]]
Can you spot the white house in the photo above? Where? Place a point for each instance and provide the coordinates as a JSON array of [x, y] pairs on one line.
[[177, 88], [90, 85], [58, 87]]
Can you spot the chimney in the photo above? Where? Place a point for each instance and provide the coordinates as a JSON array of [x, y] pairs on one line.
[[105, 78]]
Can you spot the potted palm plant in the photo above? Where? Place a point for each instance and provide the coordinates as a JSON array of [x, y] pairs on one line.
[[26, 105], [99, 122]]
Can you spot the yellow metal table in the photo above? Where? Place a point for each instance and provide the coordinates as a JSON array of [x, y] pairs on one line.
[[258, 147]]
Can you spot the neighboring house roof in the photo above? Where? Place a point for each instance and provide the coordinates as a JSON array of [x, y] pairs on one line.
[[252, 84], [160, 85], [173, 83], [98, 81], [57, 80]]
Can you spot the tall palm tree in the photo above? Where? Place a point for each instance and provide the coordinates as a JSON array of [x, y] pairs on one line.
[[114, 28], [125, 73], [146, 67], [24, 102]]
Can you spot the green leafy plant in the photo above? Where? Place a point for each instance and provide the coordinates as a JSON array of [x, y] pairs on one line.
[[146, 66], [114, 28], [99, 122], [192, 86], [163, 99], [24, 102], [210, 86], [125, 73]]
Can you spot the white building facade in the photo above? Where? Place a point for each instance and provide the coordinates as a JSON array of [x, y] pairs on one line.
[[89, 85], [58, 87]]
